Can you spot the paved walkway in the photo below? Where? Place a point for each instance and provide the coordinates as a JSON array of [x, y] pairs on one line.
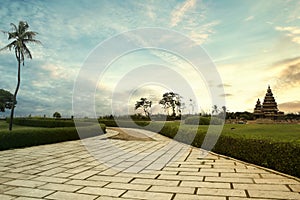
[[160, 169]]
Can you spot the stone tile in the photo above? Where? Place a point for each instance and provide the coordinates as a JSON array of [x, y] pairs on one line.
[[102, 191], [112, 198], [155, 182], [25, 198], [199, 174], [295, 188], [110, 179], [273, 194], [221, 192], [180, 177], [84, 175], [4, 188], [127, 186], [276, 181], [147, 195], [3, 180], [63, 175], [260, 187], [50, 179], [240, 175], [135, 175], [204, 184], [6, 197], [17, 176], [197, 197], [243, 198], [71, 196], [52, 171], [87, 183], [25, 183], [217, 170], [29, 192], [172, 189], [60, 187], [229, 180]]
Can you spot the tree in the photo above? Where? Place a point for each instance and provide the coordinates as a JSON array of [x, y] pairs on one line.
[[6, 100], [145, 104], [224, 111], [21, 37], [57, 115], [215, 109], [171, 100]]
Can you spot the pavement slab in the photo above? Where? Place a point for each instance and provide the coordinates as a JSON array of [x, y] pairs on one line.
[[102, 168]]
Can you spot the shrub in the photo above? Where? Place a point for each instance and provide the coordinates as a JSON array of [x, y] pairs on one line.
[[26, 137], [280, 156], [197, 120], [124, 123], [46, 122]]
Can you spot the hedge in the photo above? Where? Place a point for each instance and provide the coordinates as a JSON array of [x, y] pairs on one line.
[[281, 156], [197, 120], [38, 136], [46, 123]]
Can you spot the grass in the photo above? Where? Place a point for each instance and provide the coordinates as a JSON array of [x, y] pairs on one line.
[[271, 132]]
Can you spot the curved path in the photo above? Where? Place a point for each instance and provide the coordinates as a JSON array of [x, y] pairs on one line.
[[160, 168]]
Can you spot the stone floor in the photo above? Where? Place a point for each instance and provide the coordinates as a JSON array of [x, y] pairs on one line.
[[101, 168]]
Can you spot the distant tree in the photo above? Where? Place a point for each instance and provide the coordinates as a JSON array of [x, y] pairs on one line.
[[215, 109], [6, 100], [20, 37], [192, 105], [224, 111], [57, 115], [145, 104], [171, 100]]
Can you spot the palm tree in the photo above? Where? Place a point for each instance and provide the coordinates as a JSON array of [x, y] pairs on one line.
[[20, 37]]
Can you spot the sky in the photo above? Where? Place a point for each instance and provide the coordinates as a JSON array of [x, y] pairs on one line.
[[210, 52]]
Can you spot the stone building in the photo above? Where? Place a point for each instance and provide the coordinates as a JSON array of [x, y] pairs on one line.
[[268, 109]]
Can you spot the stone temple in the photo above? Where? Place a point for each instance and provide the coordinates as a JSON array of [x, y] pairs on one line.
[[268, 109]]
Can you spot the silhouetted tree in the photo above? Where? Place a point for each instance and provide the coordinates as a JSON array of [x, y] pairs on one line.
[[215, 109], [20, 37], [57, 115], [145, 104], [6, 100], [171, 100]]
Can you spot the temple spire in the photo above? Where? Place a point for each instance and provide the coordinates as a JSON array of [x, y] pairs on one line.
[[268, 109]]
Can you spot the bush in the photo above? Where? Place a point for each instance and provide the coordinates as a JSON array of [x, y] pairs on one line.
[[26, 137], [197, 120], [280, 156], [46, 122], [125, 124]]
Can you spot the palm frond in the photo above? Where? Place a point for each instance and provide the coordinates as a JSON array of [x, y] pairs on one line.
[[32, 41], [26, 52], [15, 28], [9, 46]]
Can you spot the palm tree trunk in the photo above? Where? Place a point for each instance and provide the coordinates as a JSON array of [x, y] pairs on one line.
[[16, 92]]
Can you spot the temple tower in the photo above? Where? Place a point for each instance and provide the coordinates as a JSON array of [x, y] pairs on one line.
[[268, 109], [258, 110]]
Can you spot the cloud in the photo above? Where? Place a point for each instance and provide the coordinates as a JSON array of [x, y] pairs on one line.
[[291, 31], [249, 18], [288, 72], [292, 106], [177, 14], [226, 95], [224, 85]]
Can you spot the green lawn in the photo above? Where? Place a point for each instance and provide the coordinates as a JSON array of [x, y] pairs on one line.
[[272, 132]]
